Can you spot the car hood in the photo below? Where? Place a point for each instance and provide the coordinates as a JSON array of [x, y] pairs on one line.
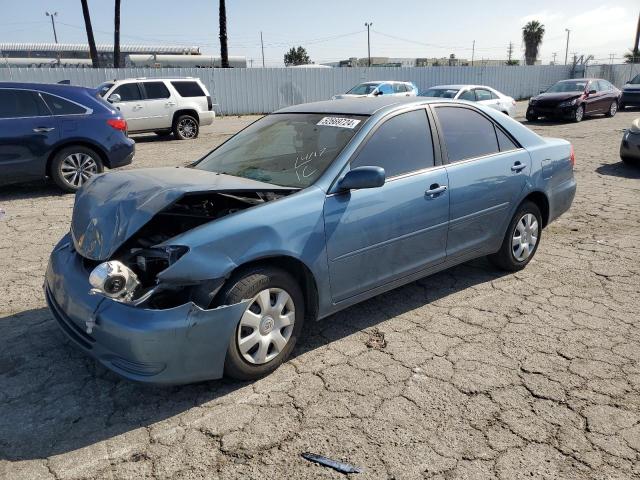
[[350, 95], [632, 86], [110, 208], [556, 96]]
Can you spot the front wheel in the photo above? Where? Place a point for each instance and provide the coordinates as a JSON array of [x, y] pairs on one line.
[[270, 325], [613, 109], [578, 114], [521, 240], [73, 166], [186, 127], [531, 117]]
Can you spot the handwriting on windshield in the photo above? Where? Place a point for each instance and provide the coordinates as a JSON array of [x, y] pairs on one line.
[[304, 166]]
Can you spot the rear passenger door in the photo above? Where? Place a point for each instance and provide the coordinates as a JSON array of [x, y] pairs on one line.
[[375, 236], [28, 133], [487, 173], [486, 97], [158, 105]]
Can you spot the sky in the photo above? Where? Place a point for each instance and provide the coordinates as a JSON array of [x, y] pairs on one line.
[[332, 30]]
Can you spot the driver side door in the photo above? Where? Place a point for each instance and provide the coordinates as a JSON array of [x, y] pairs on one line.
[[378, 235], [131, 105]]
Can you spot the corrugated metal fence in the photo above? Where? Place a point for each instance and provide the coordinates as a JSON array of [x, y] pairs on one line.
[[616, 74], [262, 90]]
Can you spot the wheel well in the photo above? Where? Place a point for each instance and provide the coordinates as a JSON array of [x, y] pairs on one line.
[[191, 112], [300, 272], [98, 150], [542, 202]]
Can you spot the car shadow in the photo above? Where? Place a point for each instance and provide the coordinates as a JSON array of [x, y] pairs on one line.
[[619, 169], [57, 400], [152, 138], [35, 189]]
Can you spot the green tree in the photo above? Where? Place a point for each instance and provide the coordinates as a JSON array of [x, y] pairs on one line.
[[632, 56], [90, 39], [296, 56], [532, 34]]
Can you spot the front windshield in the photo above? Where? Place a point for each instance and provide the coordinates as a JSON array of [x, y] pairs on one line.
[[635, 79], [103, 88], [363, 89], [440, 92], [286, 149], [559, 87]]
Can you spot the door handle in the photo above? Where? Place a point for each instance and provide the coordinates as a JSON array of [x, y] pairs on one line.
[[170, 104], [518, 167], [43, 129], [435, 190], [137, 107]]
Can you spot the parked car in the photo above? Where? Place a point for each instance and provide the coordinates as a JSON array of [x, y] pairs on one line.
[[630, 147], [164, 106], [61, 132], [386, 87], [474, 93], [175, 275], [575, 99], [631, 93]]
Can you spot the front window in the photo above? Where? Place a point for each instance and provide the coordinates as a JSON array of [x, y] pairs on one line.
[[635, 79], [363, 89], [440, 92], [288, 149], [103, 88], [573, 86]]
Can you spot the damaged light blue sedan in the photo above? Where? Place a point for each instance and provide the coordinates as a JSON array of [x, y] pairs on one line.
[[177, 275]]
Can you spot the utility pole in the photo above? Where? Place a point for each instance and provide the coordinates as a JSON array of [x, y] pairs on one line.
[[566, 52], [262, 45], [368, 25], [636, 44], [473, 51], [554, 57], [611, 56], [53, 24], [251, 63], [509, 53]]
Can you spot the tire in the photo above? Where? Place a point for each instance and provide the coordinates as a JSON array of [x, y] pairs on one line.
[[73, 166], [613, 108], [258, 327], [531, 117], [186, 127], [578, 114], [630, 161], [506, 258], [621, 107]]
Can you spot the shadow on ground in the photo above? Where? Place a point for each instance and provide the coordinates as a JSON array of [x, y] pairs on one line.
[[56, 400], [38, 189], [619, 169]]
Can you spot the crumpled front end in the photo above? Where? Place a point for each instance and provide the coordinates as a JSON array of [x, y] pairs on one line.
[[181, 344]]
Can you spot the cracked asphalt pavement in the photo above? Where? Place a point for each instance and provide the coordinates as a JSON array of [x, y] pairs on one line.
[[469, 374]]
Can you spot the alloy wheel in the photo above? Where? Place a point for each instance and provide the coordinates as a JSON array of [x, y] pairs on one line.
[[187, 128], [77, 168], [266, 326], [525, 237], [613, 108], [579, 114]]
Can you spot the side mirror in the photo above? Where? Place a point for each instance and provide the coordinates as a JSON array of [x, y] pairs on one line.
[[591, 92], [362, 177], [542, 91], [378, 93], [114, 98]]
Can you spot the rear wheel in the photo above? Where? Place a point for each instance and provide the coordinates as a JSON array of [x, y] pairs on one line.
[[578, 114], [521, 241], [270, 325], [73, 166], [186, 127], [613, 109]]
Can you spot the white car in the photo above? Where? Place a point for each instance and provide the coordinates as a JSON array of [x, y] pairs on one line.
[[386, 88], [161, 105], [475, 93]]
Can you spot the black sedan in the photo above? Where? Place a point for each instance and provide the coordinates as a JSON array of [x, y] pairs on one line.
[[630, 147], [631, 93], [575, 99]]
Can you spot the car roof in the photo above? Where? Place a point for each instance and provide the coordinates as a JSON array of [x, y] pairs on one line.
[[382, 81], [152, 79], [461, 86], [58, 88], [355, 106]]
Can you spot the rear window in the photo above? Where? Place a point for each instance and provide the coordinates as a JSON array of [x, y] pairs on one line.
[[156, 90], [188, 89], [466, 133], [60, 106]]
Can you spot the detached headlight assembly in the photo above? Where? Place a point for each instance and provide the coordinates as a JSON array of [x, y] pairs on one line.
[[568, 103]]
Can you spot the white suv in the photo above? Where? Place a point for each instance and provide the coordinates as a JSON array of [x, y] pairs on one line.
[[161, 105]]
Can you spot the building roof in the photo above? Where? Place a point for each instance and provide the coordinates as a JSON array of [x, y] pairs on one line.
[[355, 106], [101, 47]]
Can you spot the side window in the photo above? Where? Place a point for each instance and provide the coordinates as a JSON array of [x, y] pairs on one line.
[[494, 96], [155, 90], [604, 85], [401, 145], [129, 92], [593, 86], [188, 89], [468, 95], [60, 106], [504, 142], [20, 104], [399, 87], [482, 94], [467, 134], [385, 88]]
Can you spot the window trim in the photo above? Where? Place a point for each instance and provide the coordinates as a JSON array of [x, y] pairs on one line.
[[445, 153], [87, 110], [143, 90], [437, 158]]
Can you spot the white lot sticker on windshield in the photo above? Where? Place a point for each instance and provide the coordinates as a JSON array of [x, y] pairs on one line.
[[339, 122]]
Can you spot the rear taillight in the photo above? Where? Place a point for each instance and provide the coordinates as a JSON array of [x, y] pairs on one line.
[[572, 157], [513, 102], [118, 124], [209, 103]]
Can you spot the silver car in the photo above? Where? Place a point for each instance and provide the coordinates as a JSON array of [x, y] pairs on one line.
[[475, 93], [384, 87]]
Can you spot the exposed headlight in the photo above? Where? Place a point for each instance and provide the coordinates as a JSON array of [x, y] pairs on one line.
[[115, 280], [568, 103]]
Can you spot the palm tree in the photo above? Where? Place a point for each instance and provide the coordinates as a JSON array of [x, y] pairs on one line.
[[532, 34], [224, 53], [632, 56], [92, 42], [116, 35]]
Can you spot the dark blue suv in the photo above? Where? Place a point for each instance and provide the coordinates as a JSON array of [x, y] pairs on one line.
[[63, 132]]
